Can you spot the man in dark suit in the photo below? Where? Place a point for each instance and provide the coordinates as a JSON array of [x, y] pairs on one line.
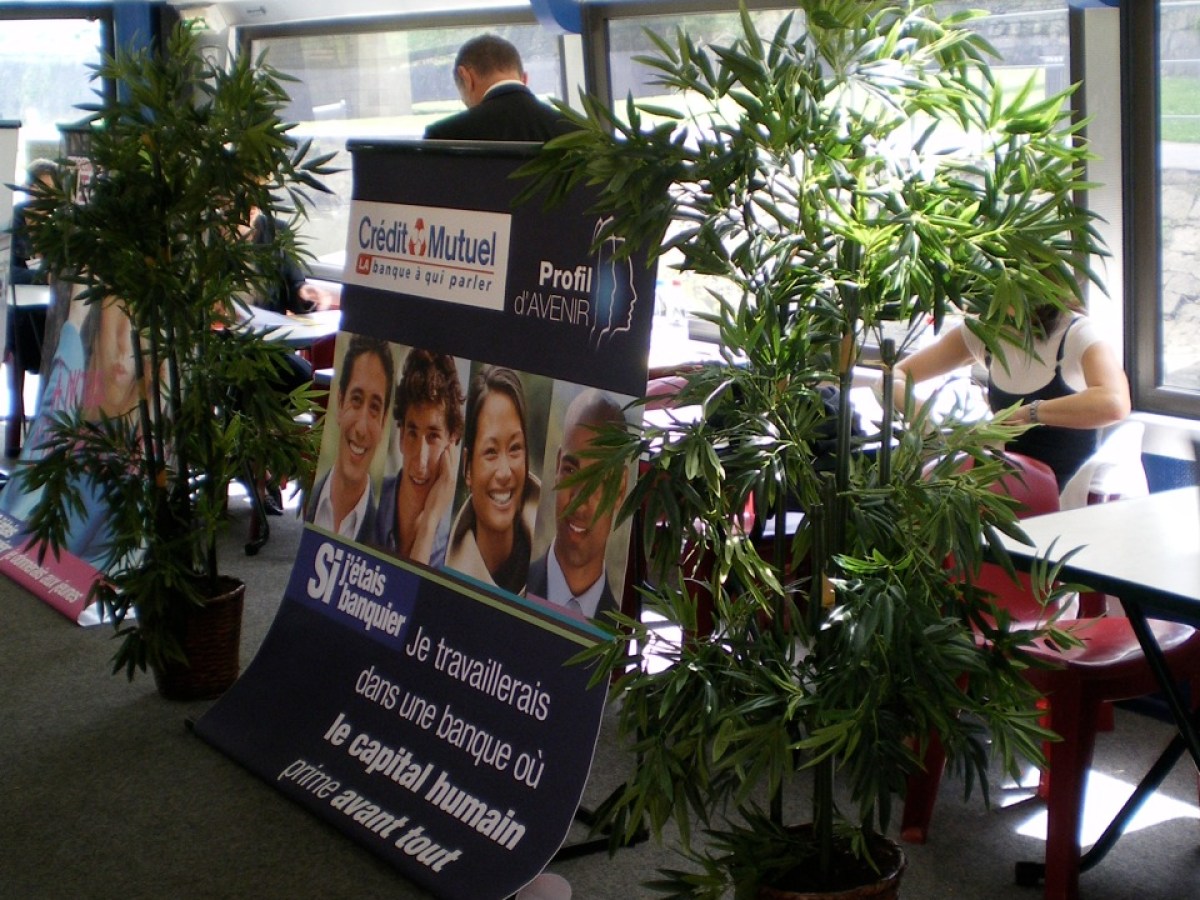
[[572, 573], [492, 82]]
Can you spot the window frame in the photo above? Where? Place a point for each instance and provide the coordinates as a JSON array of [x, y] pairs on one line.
[[1143, 289]]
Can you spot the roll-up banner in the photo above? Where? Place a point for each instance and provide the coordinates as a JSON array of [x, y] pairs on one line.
[[415, 688], [82, 362]]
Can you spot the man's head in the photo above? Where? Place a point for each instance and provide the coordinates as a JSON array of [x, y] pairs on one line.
[[41, 170], [429, 415], [481, 63], [364, 392], [580, 535]]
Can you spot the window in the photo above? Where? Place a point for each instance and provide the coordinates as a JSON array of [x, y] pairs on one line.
[[1031, 38], [1164, 99], [387, 83], [44, 69]]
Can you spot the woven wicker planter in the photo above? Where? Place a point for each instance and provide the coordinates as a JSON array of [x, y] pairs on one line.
[[212, 643], [882, 886]]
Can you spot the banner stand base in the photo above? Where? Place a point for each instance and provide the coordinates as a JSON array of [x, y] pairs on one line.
[[603, 841]]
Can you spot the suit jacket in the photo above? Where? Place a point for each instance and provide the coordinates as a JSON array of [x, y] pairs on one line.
[[538, 585], [509, 112], [366, 528]]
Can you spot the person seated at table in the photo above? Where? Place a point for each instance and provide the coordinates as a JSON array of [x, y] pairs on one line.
[[492, 535], [413, 521], [26, 324], [1068, 385], [23, 262], [288, 292], [291, 292]]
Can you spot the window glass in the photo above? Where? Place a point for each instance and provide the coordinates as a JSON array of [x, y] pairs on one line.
[[1179, 194], [1029, 36], [382, 84], [44, 70]]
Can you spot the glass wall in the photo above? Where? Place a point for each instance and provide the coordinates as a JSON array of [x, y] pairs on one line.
[[389, 77], [44, 69], [385, 82], [1031, 39], [1179, 194]]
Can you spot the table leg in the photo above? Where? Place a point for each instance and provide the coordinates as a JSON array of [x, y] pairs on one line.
[[260, 529], [1184, 720]]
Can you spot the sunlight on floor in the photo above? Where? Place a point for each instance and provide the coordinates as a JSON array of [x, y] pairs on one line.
[[1105, 796]]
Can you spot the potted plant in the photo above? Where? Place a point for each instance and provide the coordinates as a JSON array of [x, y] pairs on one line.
[[153, 245], [809, 173]]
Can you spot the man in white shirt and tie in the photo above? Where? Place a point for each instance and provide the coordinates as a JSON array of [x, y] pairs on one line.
[[572, 573], [343, 498]]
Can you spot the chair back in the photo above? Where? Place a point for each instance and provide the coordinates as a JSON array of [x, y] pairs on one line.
[[1113, 472], [1032, 483]]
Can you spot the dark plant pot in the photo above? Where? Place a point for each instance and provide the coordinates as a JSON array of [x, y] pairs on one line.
[[857, 880], [211, 641]]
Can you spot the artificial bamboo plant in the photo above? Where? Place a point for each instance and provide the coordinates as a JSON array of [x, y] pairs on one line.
[[860, 166], [181, 152]]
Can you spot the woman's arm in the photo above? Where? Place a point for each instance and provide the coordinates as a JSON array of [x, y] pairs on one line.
[[1103, 402], [947, 353]]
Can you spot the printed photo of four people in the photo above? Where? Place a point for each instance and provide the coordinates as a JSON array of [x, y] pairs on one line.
[[456, 464]]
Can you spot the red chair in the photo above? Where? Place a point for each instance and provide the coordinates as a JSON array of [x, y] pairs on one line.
[[1078, 683], [1109, 666], [1033, 484]]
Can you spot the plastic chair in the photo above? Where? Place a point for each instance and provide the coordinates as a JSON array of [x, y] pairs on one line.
[[1077, 683], [1113, 472], [1110, 666]]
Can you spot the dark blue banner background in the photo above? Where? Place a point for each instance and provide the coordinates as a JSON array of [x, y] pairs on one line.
[[428, 716]]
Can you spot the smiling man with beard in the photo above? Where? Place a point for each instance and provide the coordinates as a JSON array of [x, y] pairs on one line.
[[572, 573]]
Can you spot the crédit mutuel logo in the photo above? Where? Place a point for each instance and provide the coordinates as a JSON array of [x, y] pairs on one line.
[[460, 256]]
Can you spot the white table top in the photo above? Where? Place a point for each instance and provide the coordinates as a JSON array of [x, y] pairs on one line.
[[295, 331], [1144, 550]]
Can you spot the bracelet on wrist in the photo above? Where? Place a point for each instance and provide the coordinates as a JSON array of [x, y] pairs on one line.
[[1033, 412]]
